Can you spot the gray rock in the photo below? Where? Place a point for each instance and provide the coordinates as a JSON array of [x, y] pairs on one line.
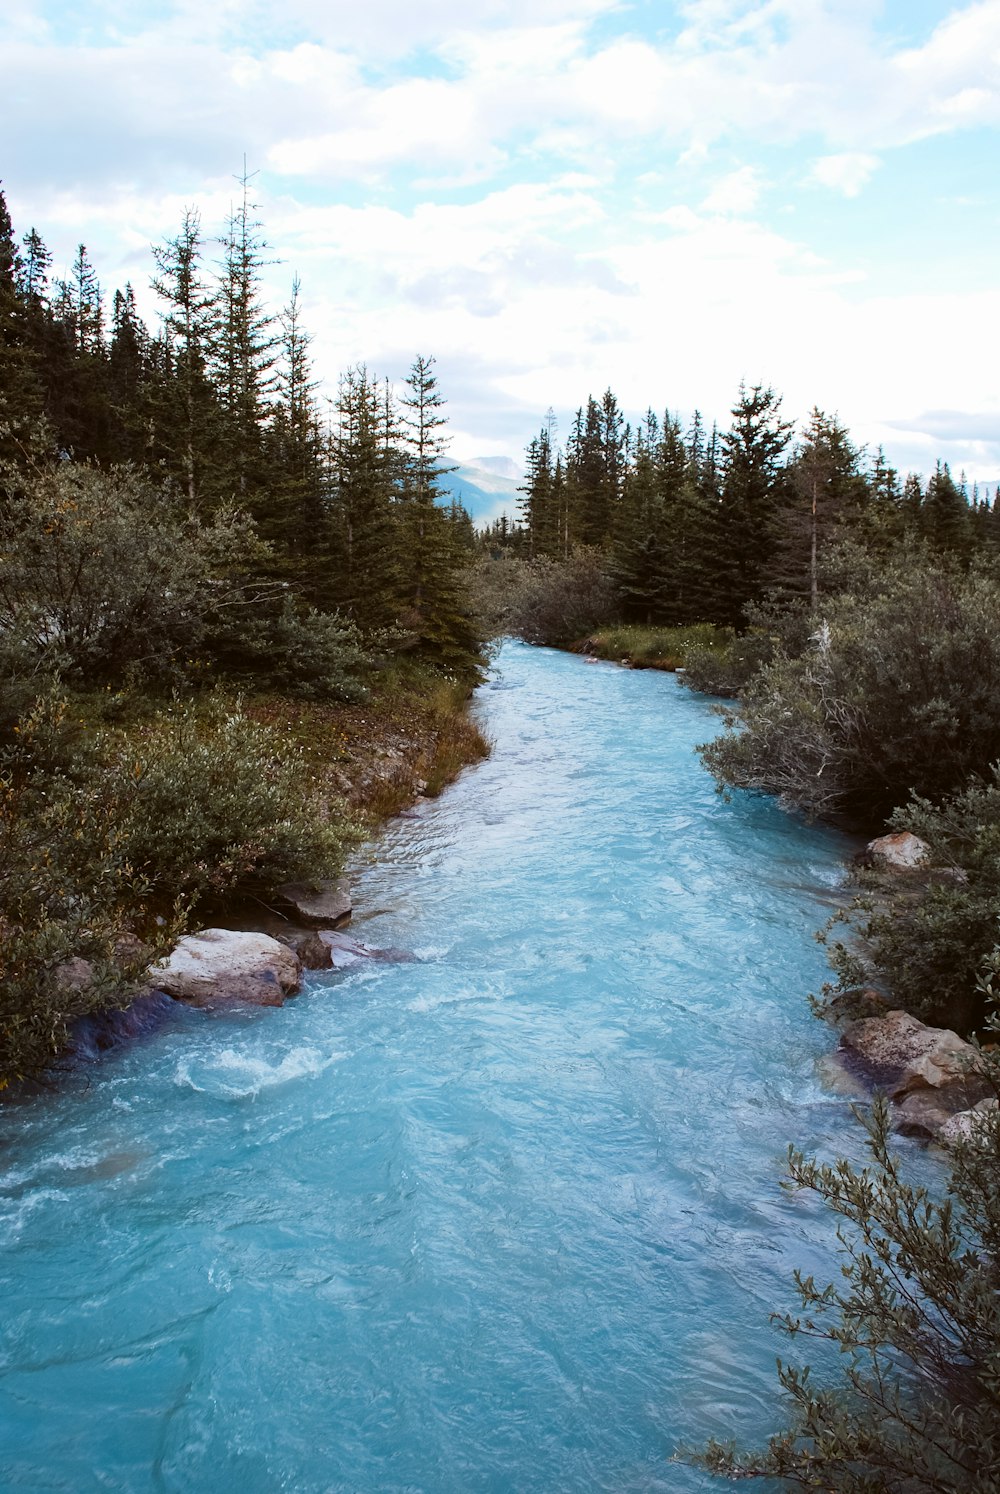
[[218, 967], [966, 1123], [74, 975], [321, 904], [343, 951]]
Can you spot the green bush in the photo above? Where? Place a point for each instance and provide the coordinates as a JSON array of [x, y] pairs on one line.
[[897, 692], [310, 654], [916, 1319], [925, 935], [104, 578], [556, 602], [126, 830]]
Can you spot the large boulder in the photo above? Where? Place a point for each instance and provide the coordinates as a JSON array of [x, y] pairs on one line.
[[220, 967], [322, 905], [929, 1073], [902, 851]]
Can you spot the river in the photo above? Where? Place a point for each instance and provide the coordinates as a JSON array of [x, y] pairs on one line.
[[505, 1219]]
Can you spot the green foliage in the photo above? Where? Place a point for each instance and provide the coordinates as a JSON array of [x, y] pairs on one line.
[[114, 830], [102, 576], [544, 601], [302, 652], [896, 693], [916, 1317], [925, 935]]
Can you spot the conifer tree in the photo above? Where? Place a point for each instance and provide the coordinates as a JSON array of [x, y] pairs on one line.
[[436, 611], [357, 546], [752, 491], [298, 484], [945, 513], [244, 348], [189, 417], [20, 393], [825, 492]]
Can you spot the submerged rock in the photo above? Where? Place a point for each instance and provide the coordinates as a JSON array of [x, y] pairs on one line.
[[320, 904], [220, 967], [343, 950], [94, 1034]]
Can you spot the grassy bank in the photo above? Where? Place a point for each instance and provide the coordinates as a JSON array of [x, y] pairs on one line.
[[124, 818], [656, 647]]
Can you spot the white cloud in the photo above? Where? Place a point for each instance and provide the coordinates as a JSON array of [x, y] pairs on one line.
[[846, 173], [736, 194]]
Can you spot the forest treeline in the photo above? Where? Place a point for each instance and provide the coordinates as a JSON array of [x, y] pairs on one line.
[[218, 409], [698, 524]]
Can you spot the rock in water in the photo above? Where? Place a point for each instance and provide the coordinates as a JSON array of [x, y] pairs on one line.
[[324, 905], [929, 1073], [218, 967]]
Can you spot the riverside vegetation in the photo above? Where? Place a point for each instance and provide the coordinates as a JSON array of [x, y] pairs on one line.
[[230, 638], [211, 609], [855, 625]]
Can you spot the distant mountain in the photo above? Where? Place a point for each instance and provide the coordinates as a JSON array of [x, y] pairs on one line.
[[485, 491], [501, 465]]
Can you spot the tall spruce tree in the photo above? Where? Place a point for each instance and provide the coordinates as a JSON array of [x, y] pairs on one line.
[[825, 492], [245, 349], [189, 413], [358, 545], [437, 611], [752, 492], [20, 392]]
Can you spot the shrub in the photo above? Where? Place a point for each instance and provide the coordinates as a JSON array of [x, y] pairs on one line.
[[103, 577], [544, 601], [120, 829], [925, 936], [897, 692], [916, 1316], [310, 654]]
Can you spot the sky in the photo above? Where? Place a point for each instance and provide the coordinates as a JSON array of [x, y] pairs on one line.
[[554, 197]]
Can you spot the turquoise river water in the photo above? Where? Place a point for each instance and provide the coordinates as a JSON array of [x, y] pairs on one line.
[[505, 1219]]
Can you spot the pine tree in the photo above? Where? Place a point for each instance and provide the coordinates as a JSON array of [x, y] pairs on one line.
[[358, 543], [244, 349], [945, 513], [20, 393], [188, 419], [824, 493], [298, 483], [437, 611], [752, 491]]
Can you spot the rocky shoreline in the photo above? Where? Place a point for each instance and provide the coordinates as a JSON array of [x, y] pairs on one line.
[[931, 1077]]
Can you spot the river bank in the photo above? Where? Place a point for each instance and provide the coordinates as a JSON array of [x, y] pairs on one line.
[[224, 798]]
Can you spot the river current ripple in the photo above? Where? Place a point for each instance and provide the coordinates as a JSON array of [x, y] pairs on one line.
[[506, 1219]]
